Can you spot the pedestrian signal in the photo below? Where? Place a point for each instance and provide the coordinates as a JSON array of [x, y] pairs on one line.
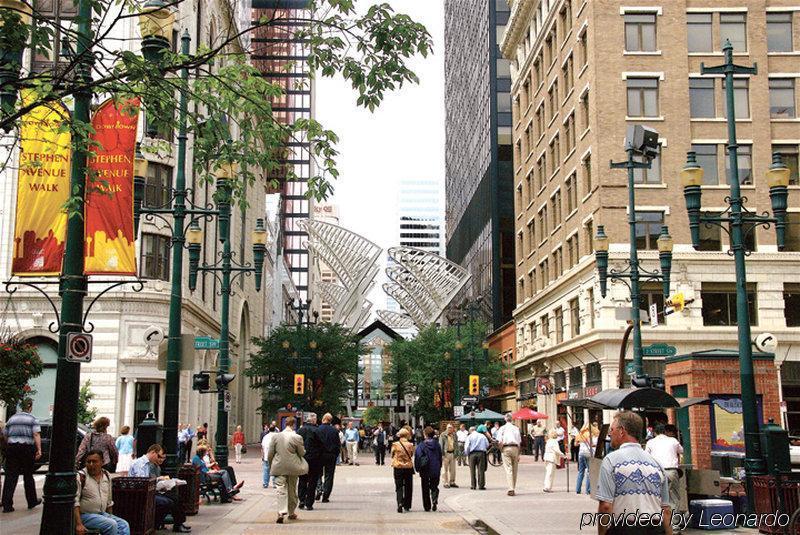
[[474, 385], [201, 381], [299, 383], [677, 302]]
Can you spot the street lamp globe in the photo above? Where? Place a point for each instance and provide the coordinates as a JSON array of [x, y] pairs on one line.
[[665, 244], [692, 178], [259, 238], [194, 237], [778, 181], [156, 23], [601, 257]]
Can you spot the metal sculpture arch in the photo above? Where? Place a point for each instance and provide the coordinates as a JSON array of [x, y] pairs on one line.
[[395, 320]]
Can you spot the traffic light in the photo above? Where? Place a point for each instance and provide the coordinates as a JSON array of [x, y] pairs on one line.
[[677, 302], [474, 385], [299, 383], [201, 381], [223, 379]]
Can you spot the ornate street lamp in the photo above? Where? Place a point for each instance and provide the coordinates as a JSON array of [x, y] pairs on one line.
[[156, 22], [18, 15], [738, 221]]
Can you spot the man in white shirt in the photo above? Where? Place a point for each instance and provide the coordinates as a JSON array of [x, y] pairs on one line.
[[560, 436], [667, 451], [509, 440], [265, 442], [461, 437]]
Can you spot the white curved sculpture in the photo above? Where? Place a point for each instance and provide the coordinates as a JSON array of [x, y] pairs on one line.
[[395, 320], [399, 294]]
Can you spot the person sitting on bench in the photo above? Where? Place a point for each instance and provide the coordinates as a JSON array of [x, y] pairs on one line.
[[149, 465], [93, 501], [228, 490]]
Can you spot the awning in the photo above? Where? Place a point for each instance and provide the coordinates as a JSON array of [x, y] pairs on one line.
[[482, 416], [585, 403], [688, 402], [628, 398]]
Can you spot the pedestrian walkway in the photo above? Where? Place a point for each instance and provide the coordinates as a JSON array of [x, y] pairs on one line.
[[363, 502]]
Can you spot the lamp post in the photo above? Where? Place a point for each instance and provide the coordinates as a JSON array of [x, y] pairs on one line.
[[739, 222], [19, 19], [156, 25], [306, 362], [223, 269], [60, 483], [640, 141]]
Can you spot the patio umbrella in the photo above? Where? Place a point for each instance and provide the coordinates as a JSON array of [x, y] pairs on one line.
[[526, 413], [482, 416]]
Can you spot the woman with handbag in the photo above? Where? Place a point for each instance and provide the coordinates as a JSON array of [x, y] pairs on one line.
[[403, 467], [98, 439]]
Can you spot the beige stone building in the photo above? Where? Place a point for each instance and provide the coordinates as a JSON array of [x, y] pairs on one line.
[[582, 72]]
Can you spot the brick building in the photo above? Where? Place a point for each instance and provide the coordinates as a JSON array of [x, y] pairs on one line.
[[582, 72]]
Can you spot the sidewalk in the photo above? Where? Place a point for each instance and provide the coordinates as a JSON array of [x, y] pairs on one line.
[[363, 502]]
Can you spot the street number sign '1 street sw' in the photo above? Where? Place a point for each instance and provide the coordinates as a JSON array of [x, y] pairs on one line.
[[206, 342], [659, 350]]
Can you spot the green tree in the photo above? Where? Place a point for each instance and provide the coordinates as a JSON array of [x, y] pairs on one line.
[[429, 363], [374, 415], [19, 363], [231, 117], [86, 414], [326, 354]]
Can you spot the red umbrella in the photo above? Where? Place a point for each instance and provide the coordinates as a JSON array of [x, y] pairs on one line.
[[526, 413]]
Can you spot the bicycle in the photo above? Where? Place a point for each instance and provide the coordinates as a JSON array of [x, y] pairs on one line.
[[493, 455]]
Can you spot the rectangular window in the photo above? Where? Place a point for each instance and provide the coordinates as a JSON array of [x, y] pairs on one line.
[[553, 97], [571, 253], [744, 155], [583, 48], [157, 185], [589, 228], [537, 67], [741, 98], [540, 120], [791, 304], [590, 301], [779, 32], [642, 97], [710, 236], [556, 211], [559, 320], [521, 292], [529, 186], [701, 98], [733, 27], [154, 263], [640, 32], [789, 153], [544, 320], [698, 31], [532, 234], [792, 232], [648, 228], [707, 158], [781, 98], [572, 193], [540, 173], [585, 110], [530, 284], [649, 176], [574, 318], [548, 45], [719, 303], [566, 18], [587, 174], [567, 73], [555, 157], [650, 294], [569, 133]]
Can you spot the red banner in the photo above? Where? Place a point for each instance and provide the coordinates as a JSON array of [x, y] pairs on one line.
[[109, 191]]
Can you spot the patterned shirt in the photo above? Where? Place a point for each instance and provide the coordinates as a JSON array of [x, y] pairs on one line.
[[21, 427], [632, 480]]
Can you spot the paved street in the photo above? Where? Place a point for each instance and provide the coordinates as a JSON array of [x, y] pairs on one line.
[[363, 502]]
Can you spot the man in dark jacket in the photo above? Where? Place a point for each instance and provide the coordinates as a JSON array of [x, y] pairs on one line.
[[379, 438], [329, 439], [428, 462], [307, 484]]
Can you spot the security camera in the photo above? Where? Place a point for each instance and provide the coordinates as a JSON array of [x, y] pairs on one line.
[[643, 140]]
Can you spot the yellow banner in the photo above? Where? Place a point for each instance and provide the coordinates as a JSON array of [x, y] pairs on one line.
[[42, 190]]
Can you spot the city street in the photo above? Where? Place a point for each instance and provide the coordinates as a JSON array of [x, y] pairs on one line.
[[363, 502]]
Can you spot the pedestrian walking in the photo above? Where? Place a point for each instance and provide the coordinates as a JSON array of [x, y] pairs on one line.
[[461, 436], [475, 449], [587, 441], [125, 450], [632, 480], [266, 440], [573, 443], [379, 444], [351, 438], [93, 501], [403, 468], [428, 462], [496, 453], [552, 456], [22, 436], [329, 438], [560, 433], [342, 444], [307, 489], [538, 435], [187, 445], [286, 460], [98, 439], [667, 451], [182, 441], [238, 443], [449, 444], [509, 441]]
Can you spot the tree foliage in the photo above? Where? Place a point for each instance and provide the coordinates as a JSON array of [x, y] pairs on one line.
[[438, 358], [327, 354], [19, 363], [230, 117], [374, 415], [86, 414]]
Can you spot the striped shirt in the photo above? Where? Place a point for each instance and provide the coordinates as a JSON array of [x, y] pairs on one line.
[[20, 428]]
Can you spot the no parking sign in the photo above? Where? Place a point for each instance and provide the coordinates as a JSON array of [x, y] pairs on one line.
[[79, 347]]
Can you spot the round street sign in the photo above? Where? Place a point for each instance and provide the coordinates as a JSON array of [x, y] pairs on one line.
[[79, 347], [153, 336]]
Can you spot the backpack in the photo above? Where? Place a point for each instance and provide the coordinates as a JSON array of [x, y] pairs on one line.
[[82, 476], [422, 461]]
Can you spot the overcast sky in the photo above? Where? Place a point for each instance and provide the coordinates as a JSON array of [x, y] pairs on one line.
[[403, 138]]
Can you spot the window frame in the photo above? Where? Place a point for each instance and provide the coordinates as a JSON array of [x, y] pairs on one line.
[[150, 248], [639, 27], [650, 238], [775, 15], [647, 85], [790, 87], [694, 102]]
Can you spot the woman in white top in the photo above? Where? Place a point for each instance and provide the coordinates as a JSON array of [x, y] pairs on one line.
[[587, 441], [552, 455]]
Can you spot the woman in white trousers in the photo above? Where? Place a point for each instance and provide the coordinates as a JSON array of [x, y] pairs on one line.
[[552, 455]]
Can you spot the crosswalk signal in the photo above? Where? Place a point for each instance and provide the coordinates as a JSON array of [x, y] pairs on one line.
[[201, 381], [474, 385], [299, 383], [677, 302]]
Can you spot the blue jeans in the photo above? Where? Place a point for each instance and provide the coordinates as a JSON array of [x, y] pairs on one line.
[[265, 473], [106, 523], [583, 469]]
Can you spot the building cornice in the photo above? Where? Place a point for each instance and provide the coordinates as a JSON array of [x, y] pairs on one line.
[[516, 26]]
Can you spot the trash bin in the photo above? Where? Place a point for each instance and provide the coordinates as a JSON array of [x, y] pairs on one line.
[[135, 501], [148, 432], [189, 494]]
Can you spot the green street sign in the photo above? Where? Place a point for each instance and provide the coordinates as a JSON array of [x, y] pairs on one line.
[[206, 342], [659, 350]]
